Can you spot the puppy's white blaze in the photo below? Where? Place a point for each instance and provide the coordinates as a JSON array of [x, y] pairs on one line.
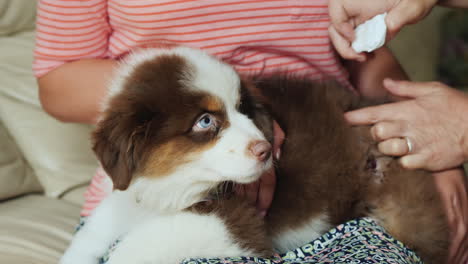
[[293, 238], [215, 77]]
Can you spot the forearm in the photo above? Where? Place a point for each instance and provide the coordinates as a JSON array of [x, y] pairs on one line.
[[454, 3], [368, 76], [73, 92]]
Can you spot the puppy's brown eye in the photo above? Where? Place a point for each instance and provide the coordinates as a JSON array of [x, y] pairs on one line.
[[206, 122]]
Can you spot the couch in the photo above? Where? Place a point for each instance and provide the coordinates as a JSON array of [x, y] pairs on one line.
[[45, 165]]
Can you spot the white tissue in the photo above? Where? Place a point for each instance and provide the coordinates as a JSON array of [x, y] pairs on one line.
[[371, 34]]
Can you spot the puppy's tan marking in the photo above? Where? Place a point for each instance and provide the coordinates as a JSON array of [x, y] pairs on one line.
[[212, 104], [171, 155]]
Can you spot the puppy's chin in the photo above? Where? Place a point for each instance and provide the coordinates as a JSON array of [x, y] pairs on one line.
[[253, 174]]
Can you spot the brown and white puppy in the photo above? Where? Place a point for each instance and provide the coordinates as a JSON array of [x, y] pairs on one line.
[[179, 123]]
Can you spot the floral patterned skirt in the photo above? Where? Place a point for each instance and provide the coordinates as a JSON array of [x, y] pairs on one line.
[[355, 242]]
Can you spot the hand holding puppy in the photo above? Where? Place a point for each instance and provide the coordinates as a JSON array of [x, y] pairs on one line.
[[429, 130], [261, 192]]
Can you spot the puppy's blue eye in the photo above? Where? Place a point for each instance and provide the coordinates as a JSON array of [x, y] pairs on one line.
[[205, 122]]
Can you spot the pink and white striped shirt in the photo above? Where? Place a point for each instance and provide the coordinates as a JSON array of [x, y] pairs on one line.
[[255, 36]]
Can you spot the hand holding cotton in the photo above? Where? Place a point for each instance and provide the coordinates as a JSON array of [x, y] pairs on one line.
[[371, 34]]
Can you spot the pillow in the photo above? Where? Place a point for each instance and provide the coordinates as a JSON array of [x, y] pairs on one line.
[[59, 154], [16, 177], [17, 15]]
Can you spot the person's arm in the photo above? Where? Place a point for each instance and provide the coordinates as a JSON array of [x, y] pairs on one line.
[[73, 91], [368, 76], [69, 58]]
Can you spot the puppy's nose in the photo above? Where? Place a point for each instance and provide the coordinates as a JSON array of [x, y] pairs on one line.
[[261, 150]]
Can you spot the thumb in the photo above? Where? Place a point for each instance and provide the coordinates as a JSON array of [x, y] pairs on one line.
[[405, 12]]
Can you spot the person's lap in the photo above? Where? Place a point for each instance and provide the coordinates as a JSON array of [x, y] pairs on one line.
[[356, 241]]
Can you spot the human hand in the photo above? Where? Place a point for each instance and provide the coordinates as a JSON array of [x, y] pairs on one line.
[[261, 192], [346, 15], [429, 129], [452, 188]]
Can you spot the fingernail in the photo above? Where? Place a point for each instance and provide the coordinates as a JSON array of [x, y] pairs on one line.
[[278, 154], [263, 213]]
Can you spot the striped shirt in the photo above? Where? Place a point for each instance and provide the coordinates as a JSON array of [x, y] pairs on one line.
[[255, 36]]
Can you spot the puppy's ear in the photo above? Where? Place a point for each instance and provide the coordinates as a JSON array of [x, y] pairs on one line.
[[115, 150]]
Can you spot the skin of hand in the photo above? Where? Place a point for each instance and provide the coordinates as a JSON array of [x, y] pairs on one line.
[[261, 192], [433, 118], [346, 15], [451, 185]]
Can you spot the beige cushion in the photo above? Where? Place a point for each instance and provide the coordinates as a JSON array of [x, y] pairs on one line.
[[76, 195], [16, 177], [16, 16], [59, 153], [417, 47], [35, 229]]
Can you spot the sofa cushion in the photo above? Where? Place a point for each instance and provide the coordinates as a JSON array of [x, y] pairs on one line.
[[59, 154], [16, 16], [417, 47], [75, 195], [35, 229], [16, 176]]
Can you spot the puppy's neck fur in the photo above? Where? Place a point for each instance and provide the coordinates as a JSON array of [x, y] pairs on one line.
[[174, 193]]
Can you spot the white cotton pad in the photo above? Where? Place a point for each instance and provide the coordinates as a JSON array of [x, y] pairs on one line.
[[371, 34]]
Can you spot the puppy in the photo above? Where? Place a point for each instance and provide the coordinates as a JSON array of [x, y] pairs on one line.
[[178, 124]]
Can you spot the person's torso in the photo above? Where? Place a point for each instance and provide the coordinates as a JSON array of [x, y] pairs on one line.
[[255, 36]]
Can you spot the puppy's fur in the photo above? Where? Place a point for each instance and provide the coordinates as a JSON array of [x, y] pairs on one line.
[[179, 124], [328, 166]]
